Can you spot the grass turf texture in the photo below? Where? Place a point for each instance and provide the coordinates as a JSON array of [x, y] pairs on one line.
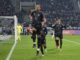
[[5, 47], [24, 50]]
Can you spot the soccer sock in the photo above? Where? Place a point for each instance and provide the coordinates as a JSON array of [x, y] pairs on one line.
[[34, 40], [45, 44], [60, 43], [38, 51], [41, 48], [57, 43], [33, 36]]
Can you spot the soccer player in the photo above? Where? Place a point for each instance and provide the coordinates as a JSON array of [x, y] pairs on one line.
[[19, 31], [37, 23], [44, 33], [58, 33]]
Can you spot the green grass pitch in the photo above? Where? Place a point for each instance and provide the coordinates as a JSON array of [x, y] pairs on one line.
[[24, 50]]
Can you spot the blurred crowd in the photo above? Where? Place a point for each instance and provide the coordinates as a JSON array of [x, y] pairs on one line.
[[52, 9], [6, 8]]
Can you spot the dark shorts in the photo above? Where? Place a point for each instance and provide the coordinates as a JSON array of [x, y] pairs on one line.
[[37, 32], [38, 27], [40, 42], [60, 36]]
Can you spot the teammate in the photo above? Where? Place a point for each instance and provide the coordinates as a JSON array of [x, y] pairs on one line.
[[44, 33], [19, 31], [58, 33], [37, 23]]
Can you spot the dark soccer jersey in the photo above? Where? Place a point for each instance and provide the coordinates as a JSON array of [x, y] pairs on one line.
[[58, 28], [37, 17]]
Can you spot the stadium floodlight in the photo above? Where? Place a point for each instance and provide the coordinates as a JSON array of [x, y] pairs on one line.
[[8, 32]]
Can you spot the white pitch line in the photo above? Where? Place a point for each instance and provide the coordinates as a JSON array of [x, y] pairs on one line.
[[72, 41], [2, 42], [11, 51]]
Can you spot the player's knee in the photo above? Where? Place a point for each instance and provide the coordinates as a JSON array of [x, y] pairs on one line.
[[38, 49], [57, 38]]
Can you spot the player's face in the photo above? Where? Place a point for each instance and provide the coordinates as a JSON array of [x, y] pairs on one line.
[[38, 8]]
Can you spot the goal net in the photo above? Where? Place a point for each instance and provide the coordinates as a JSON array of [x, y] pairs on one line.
[[8, 34]]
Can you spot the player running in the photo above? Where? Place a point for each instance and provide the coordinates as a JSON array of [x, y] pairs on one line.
[[19, 31], [37, 23], [58, 33]]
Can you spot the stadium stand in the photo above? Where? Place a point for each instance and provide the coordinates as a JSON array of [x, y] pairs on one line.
[[6, 8], [52, 8], [60, 8]]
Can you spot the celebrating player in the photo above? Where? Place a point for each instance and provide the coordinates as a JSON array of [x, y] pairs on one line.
[[58, 33], [37, 23]]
